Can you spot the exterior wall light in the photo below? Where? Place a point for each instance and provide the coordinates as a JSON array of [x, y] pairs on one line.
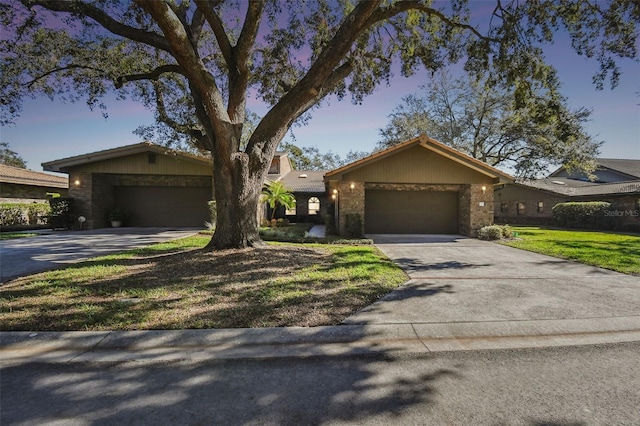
[[484, 189], [76, 182], [335, 191], [352, 186]]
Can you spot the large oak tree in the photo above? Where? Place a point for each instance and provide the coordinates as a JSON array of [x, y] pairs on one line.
[[197, 63]]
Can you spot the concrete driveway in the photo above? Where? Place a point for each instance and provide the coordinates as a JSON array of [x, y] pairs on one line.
[[456, 279], [52, 250]]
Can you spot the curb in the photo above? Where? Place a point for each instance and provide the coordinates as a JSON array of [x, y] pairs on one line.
[[297, 342]]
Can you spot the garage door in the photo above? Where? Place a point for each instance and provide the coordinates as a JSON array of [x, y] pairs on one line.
[[164, 206], [411, 212]]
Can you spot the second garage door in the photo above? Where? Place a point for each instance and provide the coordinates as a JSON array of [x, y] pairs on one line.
[[411, 212], [164, 206]]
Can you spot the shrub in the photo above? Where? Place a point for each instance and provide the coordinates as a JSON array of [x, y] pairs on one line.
[[491, 232], [353, 226], [507, 232], [23, 214], [588, 215], [61, 212]]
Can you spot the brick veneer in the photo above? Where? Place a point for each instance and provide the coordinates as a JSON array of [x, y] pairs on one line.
[[94, 192], [471, 215]]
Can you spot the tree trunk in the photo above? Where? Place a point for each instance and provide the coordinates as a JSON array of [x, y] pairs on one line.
[[238, 178]]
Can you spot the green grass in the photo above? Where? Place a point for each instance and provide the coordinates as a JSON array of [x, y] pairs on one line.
[[176, 285], [14, 235], [615, 251]]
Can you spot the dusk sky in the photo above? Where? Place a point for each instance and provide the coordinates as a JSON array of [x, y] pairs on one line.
[[52, 130]]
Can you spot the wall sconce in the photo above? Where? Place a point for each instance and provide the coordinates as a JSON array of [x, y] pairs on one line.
[[484, 189], [333, 196], [335, 191], [76, 182], [352, 186]]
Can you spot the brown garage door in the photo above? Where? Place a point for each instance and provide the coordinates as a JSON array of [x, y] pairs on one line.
[[164, 206], [411, 212]]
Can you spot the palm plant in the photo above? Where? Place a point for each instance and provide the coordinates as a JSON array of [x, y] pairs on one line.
[[275, 193]]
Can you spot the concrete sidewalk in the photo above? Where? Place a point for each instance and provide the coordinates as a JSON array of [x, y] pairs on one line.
[[345, 340]]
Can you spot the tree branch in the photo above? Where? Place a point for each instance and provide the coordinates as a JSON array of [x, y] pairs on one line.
[[241, 52], [102, 18], [164, 117], [217, 26], [151, 75], [68, 67]]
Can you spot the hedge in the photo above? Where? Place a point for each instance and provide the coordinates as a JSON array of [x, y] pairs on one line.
[[586, 215], [23, 214]]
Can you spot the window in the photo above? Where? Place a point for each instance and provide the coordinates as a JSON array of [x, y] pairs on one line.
[[540, 206], [291, 211], [521, 208], [152, 158], [314, 205], [504, 207]]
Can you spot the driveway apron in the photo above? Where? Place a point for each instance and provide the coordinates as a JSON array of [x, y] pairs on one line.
[[24, 256], [457, 279]]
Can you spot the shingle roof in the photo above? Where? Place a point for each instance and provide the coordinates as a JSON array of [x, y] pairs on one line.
[[577, 188], [10, 174], [304, 181], [628, 167], [63, 164]]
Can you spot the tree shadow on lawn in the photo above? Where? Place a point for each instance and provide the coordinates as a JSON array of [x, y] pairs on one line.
[[194, 289]]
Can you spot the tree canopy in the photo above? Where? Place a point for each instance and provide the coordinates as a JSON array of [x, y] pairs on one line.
[[484, 122], [311, 158], [198, 63], [9, 157]]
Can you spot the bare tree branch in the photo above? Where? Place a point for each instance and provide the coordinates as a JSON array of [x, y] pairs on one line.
[[53, 71], [101, 17], [217, 26], [151, 75]]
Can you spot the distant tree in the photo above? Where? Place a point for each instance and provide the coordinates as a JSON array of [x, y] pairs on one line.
[[197, 63], [310, 158], [276, 194], [490, 123], [11, 158]]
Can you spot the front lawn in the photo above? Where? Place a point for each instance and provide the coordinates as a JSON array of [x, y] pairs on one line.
[[618, 252], [14, 235], [176, 285]]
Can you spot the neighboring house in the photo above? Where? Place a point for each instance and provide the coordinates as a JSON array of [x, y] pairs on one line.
[[530, 202], [157, 186], [307, 186], [419, 186], [25, 186]]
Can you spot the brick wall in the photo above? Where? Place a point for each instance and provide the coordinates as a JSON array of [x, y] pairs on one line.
[[94, 192], [475, 205], [350, 201]]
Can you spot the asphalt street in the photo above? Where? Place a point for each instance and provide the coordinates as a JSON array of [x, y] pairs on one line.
[[581, 385]]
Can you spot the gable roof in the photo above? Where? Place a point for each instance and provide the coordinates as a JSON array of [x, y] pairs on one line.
[[64, 164], [16, 175], [628, 167], [430, 144], [575, 188]]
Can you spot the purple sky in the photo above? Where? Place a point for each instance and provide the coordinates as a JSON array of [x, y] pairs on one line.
[[52, 130]]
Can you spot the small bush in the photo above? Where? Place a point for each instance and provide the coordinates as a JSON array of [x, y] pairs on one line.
[[62, 212], [586, 215], [507, 232], [491, 232], [353, 226]]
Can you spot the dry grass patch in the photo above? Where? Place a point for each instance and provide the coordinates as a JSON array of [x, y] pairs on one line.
[[159, 288]]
